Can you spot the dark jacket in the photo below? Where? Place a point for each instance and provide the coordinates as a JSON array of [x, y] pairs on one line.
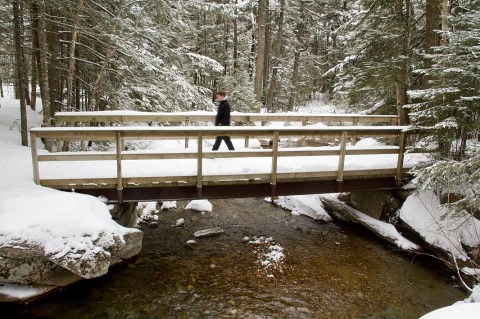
[[223, 114]]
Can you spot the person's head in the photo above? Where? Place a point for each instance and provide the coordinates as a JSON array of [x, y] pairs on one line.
[[220, 95]]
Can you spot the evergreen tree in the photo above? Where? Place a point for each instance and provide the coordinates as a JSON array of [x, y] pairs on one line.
[[450, 107]]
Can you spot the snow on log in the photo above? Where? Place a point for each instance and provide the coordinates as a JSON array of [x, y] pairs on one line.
[[381, 229]]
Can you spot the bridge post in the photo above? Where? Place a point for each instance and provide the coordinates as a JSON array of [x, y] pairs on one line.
[[199, 164], [401, 151], [187, 123], [354, 137], [247, 138], [273, 176], [119, 141], [33, 146], [304, 140], [341, 160]]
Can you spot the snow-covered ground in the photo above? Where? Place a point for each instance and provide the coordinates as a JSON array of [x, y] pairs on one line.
[[67, 223]]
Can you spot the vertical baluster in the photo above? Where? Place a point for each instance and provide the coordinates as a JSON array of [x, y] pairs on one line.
[[119, 141], [273, 176], [187, 123], [33, 146], [401, 151], [200, 164], [341, 160]]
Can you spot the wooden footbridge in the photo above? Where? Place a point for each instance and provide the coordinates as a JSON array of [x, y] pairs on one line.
[[196, 172]]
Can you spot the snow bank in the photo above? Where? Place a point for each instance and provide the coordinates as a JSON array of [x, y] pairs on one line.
[[466, 309], [463, 311], [440, 227]]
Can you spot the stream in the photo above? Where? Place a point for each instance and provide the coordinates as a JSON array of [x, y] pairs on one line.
[[291, 267]]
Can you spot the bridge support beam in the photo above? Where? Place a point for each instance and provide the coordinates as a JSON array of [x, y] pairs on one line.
[[241, 191]]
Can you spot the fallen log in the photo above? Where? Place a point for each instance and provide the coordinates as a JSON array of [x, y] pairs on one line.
[[381, 229]]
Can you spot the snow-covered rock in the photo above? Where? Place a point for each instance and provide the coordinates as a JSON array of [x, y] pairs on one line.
[[49, 236], [201, 205], [307, 205]]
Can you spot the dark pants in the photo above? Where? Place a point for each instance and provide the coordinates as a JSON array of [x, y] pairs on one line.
[[227, 141]]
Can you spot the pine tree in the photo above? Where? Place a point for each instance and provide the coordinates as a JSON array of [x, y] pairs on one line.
[[449, 109]]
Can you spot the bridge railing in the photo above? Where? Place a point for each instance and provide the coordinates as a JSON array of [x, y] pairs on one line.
[[247, 119], [119, 135]]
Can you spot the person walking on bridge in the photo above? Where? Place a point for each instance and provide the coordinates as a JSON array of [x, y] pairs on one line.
[[222, 119]]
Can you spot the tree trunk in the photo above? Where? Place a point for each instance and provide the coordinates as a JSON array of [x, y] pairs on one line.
[[20, 64], [266, 59], [432, 39], [432, 23], [33, 82], [402, 78], [260, 51], [71, 57], [53, 44], [277, 48], [41, 49], [235, 40], [294, 84], [299, 47], [445, 25], [1, 88], [25, 64]]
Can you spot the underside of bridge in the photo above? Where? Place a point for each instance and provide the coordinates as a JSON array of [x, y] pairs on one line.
[[139, 194]]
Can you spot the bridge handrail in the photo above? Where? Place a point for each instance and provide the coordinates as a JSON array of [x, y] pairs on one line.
[[187, 117], [120, 134]]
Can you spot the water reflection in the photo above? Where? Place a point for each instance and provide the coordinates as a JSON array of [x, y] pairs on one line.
[[329, 271]]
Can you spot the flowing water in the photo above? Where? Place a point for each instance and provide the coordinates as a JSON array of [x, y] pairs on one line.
[[332, 270]]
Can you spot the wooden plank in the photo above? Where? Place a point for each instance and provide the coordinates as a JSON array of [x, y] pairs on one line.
[[133, 155], [178, 132], [237, 117], [221, 179], [81, 156], [70, 183]]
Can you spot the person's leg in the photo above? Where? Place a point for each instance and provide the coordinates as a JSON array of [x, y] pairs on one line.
[[216, 145], [229, 143]]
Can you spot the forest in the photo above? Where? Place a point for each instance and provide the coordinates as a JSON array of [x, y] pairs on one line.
[[417, 59]]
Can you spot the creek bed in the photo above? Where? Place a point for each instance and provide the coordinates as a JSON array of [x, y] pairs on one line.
[[331, 271]]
